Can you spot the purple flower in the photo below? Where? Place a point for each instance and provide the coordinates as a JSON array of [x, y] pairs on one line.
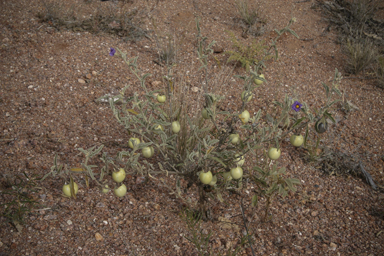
[[112, 52], [296, 106]]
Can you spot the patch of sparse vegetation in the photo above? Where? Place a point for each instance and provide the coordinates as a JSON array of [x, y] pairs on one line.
[[117, 19], [247, 55], [16, 200], [360, 32], [250, 18], [361, 54], [379, 70]]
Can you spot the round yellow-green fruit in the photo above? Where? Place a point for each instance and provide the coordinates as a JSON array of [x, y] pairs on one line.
[[105, 189], [67, 189], [133, 141], [244, 116], [161, 98], [249, 97], [239, 160], [175, 126], [148, 152], [204, 113], [258, 81], [118, 176], [205, 177], [237, 172], [296, 140], [159, 128], [234, 138], [120, 191], [274, 154], [213, 181]]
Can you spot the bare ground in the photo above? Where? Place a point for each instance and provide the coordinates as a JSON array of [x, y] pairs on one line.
[[45, 109]]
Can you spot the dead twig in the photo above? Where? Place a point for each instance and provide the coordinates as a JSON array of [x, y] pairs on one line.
[[245, 225]]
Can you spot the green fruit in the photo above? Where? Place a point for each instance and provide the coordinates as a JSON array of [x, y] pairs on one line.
[[213, 181], [133, 141], [227, 176], [161, 98], [105, 189], [244, 116], [249, 96], [234, 138], [204, 113], [274, 154], [159, 128], [118, 176], [237, 172], [120, 191], [175, 126], [257, 81], [296, 140], [148, 152], [205, 177], [67, 189], [239, 160]]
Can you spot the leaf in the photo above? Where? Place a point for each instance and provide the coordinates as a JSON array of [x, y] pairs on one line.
[[76, 169], [326, 89], [255, 200], [257, 116], [282, 191], [132, 111], [72, 187], [293, 33], [298, 122], [281, 170], [337, 91], [290, 183], [278, 104], [217, 160], [329, 116]]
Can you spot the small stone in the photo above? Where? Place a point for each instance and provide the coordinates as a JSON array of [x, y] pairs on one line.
[[88, 76], [94, 73], [156, 83], [195, 89], [98, 237], [316, 233], [217, 49], [82, 81], [314, 213], [333, 246], [69, 222], [140, 180], [100, 205]]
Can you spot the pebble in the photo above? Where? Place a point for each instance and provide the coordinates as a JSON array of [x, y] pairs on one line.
[[156, 83], [314, 213], [98, 237], [94, 73], [88, 76], [82, 81], [69, 222], [333, 246]]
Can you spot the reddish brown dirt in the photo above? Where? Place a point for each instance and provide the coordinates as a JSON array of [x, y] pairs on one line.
[[45, 110]]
